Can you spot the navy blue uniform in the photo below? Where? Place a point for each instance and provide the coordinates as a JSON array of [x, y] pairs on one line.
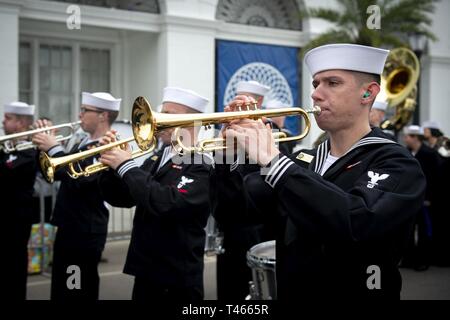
[[17, 176], [82, 220], [168, 238], [335, 229]]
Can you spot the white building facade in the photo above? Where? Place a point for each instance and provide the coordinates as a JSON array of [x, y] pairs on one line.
[[136, 48]]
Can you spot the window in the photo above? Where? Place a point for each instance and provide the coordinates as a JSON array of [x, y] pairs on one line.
[[52, 77], [94, 70], [55, 83], [25, 93]]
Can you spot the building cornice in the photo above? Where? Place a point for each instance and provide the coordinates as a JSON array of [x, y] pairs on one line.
[[147, 22], [90, 16], [427, 60]]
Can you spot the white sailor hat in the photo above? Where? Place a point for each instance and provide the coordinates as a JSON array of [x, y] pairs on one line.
[[344, 56], [102, 100], [253, 87], [413, 130], [431, 124], [275, 104], [185, 97], [380, 105], [20, 108]]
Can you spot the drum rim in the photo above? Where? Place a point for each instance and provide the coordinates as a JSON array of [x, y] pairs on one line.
[[261, 261]]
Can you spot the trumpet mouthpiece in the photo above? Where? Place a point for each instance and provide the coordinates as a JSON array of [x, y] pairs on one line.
[[315, 110]]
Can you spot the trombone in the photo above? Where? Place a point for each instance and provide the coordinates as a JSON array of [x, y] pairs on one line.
[[146, 124], [7, 142]]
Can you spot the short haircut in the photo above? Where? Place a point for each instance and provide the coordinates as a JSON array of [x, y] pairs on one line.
[[112, 116], [364, 77]]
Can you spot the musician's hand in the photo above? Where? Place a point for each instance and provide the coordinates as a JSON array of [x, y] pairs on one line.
[[109, 137], [115, 157], [255, 138], [240, 103], [44, 141], [43, 123]]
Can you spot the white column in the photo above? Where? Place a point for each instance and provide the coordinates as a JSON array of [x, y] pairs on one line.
[[143, 68], [187, 46], [435, 78], [312, 27], [307, 103], [9, 55], [187, 56], [435, 91]]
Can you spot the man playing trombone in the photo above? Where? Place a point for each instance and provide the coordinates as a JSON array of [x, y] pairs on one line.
[[171, 195], [17, 176], [80, 213]]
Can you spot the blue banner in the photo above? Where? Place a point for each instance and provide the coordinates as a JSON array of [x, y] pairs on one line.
[[274, 66]]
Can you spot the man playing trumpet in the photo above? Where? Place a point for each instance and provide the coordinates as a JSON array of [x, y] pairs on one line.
[[80, 213], [344, 210], [17, 176], [171, 196]]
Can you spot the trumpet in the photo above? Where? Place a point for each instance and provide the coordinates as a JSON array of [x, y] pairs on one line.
[[7, 142], [146, 124], [143, 127], [214, 144]]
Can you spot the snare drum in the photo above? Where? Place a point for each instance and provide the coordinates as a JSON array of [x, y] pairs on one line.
[[261, 259]]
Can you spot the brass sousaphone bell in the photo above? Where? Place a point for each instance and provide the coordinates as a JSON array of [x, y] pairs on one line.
[[398, 86]]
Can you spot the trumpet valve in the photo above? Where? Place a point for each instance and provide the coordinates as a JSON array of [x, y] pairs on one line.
[[250, 106]]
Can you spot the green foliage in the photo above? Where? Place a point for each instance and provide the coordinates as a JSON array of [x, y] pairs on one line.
[[399, 18]]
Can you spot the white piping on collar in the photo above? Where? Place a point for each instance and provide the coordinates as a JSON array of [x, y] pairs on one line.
[[322, 150]]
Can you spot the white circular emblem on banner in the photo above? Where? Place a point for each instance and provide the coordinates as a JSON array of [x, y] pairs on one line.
[[265, 74]]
